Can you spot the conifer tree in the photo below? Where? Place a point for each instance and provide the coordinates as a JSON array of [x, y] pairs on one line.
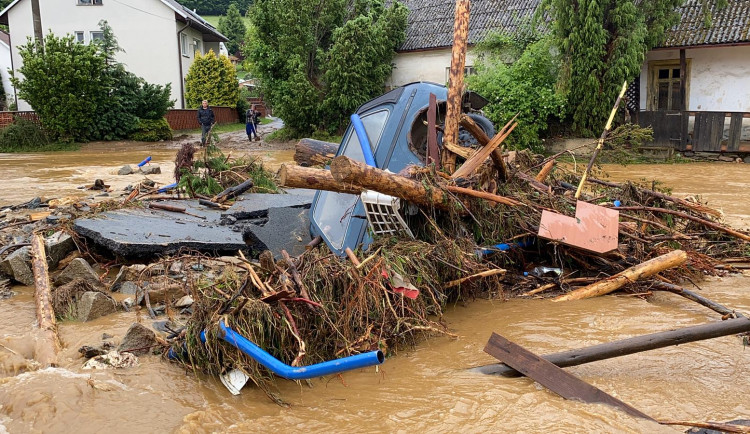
[[604, 43], [233, 27], [212, 78]]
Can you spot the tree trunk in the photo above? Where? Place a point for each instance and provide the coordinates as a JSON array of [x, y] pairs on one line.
[[311, 152], [45, 314], [456, 89], [346, 170], [317, 179], [640, 271]]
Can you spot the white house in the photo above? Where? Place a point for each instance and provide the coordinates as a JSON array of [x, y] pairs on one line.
[[702, 104], [159, 37], [5, 65]]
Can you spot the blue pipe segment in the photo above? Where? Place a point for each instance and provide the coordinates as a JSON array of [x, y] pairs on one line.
[[290, 372], [364, 141], [503, 247], [143, 163], [167, 187]]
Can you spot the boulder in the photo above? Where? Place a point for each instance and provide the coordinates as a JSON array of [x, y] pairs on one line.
[[129, 288], [57, 247], [185, 301], [125, 170], [78, 269], [88, 351], [18, 266], [151, 169], [95, 304], [138, 340], [746, 159]]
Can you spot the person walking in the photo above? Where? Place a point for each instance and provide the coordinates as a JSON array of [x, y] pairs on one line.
[[206, 119], [251, 127]]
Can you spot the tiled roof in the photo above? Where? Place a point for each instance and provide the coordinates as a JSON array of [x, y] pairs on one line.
[[730, 24], [430, 22]]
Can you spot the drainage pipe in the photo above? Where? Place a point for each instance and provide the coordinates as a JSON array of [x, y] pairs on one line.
[[290, 372], [364, 141]]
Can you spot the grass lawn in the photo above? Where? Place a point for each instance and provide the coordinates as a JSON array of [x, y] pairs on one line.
[[214, 20]]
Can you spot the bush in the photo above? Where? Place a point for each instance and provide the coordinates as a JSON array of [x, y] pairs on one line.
[[23, 136], [152, 130], [212, 78]]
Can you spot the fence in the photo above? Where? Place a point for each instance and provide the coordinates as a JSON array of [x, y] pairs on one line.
[[699, 131]]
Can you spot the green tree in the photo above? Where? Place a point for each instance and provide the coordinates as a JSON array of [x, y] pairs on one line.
[[211, 78], [60, 82], [233, 27], [319, 60], [604, 43], [215, 7]]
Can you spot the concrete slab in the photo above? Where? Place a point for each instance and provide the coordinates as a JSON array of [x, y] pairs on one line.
[[256, 205], [287, 229]]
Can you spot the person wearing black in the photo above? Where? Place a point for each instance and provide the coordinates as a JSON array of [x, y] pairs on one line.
[[206, 119], [251, 124]]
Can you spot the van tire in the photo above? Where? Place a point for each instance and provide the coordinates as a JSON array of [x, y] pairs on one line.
[[467, 140]]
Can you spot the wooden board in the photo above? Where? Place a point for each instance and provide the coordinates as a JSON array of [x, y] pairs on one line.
[[735, 132], [594, 228], [550, 376]]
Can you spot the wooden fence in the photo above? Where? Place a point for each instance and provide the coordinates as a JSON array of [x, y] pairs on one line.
[[699, 131]]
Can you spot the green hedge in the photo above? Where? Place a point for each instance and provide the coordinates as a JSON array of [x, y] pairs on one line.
[[152, 130]]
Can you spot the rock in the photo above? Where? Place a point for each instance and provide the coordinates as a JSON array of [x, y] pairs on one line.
[[725, 158], [57, 247], [161, 294], [94, 304], [88, 351], [746, 159], [78, 269], [129, 288], [106, 336], [128, 303], [151, 169], [184, 301], [18, 266], [175, 268], [125, 170], [138, 340], [112, 359]]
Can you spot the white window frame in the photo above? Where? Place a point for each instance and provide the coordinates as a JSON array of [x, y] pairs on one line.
[[93, 35], [468, 70], [89, 3], [184, 44], [197, 46], [80, 37]]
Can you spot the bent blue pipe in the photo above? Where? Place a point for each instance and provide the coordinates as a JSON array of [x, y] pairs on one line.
[[290, 372], [143, 163], [364, 141], [167, 187], [502, 247]]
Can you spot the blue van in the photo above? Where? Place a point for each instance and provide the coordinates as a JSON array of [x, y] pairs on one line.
[[395, 124]]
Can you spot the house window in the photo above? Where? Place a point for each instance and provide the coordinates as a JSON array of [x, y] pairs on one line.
[[79, 37], [89, 2], [97, 36], [468, 70], [184, 44], [664, 86], [197, 46]]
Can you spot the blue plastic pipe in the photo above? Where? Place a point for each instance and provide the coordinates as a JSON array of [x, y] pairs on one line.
[[143, 163], [167, 187], [502, 247], [364, 141], [290, 372]]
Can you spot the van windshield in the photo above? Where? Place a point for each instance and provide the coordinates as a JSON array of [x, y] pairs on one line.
[[333, 211]]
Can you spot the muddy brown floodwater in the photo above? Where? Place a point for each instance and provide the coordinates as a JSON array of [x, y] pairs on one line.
[[426, 388]]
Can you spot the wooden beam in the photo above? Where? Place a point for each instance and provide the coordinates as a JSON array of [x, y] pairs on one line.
[[640, 271], [311, 152], [497, 154], [456, 89], [294, 176], [552, 377], [690, 295], [683, 80], [45, 313], [433, 152], [483, 195], [632, 345], [478, 158]]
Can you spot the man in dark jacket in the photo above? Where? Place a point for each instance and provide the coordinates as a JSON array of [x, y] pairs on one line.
[[206, 119]]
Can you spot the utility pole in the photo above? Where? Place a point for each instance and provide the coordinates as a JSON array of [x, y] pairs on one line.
[[37, 16]]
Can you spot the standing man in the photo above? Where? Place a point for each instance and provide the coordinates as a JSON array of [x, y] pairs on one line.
[[206, 119]]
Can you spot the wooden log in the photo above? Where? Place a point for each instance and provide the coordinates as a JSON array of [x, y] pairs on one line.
[[478, 158], [690, 295], [311, 152], [172, 208], [632, 345], [352, 256], [233, 191], [314, 243], [712, 225], [45, 314], [533, 183], [542, 175], [433, 152], [497, 154], [456, 85], [483, 195], [640, 271], [493, 272], [295, 275], [346, 170], [317, 179]]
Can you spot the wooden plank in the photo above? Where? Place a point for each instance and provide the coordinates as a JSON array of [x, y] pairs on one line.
[[683, 80], [550, 376], [684, 131], [717, 130], [636, 344], [735, 132], [697, 132], [433, 152]]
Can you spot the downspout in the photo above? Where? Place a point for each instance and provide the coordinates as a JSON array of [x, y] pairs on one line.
[[12, 68], [179, 58]]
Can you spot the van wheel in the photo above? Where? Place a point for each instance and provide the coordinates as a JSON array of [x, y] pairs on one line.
[[467, 140]]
